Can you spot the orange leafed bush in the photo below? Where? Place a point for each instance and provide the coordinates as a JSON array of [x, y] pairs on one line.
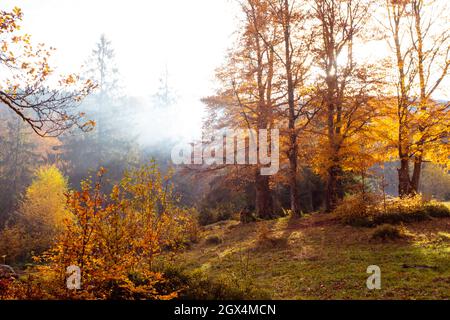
[[114, 239]]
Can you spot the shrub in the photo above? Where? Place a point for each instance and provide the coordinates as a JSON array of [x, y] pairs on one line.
[[207, 217], [357, 210], [387, 232], [399, 217], [369, 211], [115, 238], [221, 212], [40, 219], [411, 209], [246, 216], [437, 210], [184, 229], [192, 228]]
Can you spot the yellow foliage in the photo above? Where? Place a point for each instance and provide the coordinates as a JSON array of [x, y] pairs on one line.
[[45, 198], [114, 239], [40, 217]]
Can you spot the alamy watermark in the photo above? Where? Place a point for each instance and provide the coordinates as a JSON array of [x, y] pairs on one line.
[[374, 281], [73, 281], [233, 147], [74, 278]]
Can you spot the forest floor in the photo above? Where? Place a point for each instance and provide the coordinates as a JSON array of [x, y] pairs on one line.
[[315, 257]]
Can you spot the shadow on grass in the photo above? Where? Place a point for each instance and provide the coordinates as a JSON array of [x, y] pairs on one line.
[[320, 259]]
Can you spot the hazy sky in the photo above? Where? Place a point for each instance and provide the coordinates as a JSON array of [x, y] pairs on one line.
[[190, 37]]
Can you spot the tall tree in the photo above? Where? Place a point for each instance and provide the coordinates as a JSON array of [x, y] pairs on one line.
[[294, 54], [165, 96], [346, 91], [250, 93], [431, 45], [421, 48], [110, 144], [397, 12]]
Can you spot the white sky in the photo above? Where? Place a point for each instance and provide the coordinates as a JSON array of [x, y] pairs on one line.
[[190, 37]]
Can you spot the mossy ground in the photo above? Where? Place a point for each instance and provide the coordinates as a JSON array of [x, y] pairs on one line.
[[315, 257]]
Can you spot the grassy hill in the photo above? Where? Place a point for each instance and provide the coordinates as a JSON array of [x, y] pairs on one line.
[[316, 257]]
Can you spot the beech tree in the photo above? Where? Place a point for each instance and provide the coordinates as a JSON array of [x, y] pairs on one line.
[[292, 20], [250, 91], [347, 88], [421, 47]]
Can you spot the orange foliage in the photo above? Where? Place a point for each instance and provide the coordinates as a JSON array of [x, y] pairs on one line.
[[114, 239]]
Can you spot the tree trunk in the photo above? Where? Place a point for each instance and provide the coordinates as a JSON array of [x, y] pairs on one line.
[[293, 151], [335, 190], [293, 183], [415, 180], [404, 182], [264, 204], [418, 159]]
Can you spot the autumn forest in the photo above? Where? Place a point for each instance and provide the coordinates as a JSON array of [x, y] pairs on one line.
[[289, 150]]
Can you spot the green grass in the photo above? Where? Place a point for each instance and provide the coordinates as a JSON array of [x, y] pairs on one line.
[[321, 259]]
